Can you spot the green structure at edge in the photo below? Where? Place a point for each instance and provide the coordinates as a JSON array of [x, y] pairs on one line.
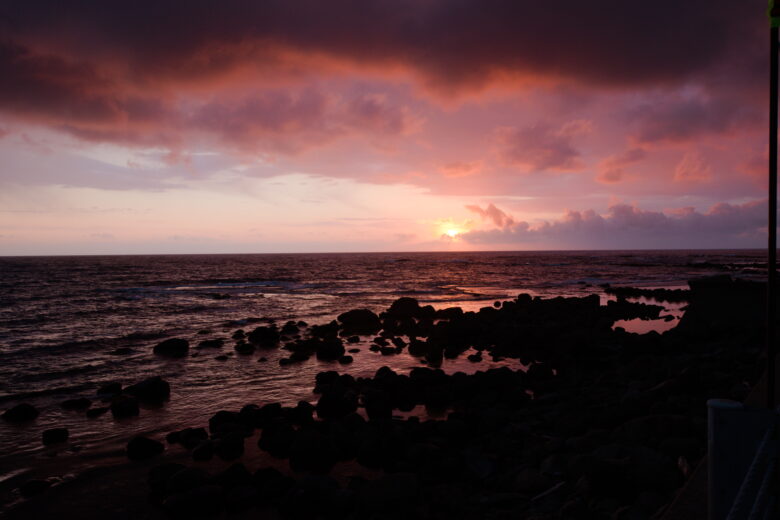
[[774, 14]]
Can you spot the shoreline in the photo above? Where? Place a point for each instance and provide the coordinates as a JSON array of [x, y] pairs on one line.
[[557, 378]]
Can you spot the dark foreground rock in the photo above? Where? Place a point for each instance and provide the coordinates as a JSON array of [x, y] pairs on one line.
[[54, 436], [20, 413], [151, 390], [603, 424], [142, 448], [174, 347]]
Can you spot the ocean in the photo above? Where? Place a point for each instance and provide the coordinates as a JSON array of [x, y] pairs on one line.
[[71, 324]]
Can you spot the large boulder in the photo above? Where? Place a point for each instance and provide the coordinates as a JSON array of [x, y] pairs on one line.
[[266, 337], [152, 390], [79, 403], [23, 412], [174, 347], [389, 493], [277, 437], [404, 307], [124, 406], [313, 451], [230, 446], [359, 321], [330, 349], [201, 502]]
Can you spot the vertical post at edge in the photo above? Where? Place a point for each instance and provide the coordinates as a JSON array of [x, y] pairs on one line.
[[771, 349]]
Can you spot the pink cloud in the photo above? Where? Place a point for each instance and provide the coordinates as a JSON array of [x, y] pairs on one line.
[[541, 147], [692, 168], [461, 168], [500, 219], [623, 226], [612, 169]]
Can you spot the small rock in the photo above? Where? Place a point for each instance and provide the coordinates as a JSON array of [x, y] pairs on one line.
[[80, 403], [151, 390], [174, 347], [23, 412], [211, 343], [54, 436], [124, 406], [34, 487], [112, 388], [96, 412]]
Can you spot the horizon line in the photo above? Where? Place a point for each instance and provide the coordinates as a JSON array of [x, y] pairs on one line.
[[393, 252]]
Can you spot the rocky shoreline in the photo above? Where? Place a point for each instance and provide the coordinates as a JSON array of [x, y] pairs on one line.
[[602, 424]]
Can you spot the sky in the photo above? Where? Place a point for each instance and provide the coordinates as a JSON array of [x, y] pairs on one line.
[[381, 125]]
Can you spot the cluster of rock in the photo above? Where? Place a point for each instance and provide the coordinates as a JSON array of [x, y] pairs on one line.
[[122, 402], [604, 424]]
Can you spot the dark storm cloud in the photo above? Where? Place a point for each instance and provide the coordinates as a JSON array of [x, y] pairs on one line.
[[153, 71], [611, 42]]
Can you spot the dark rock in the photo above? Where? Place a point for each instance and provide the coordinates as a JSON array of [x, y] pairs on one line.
[[353, 339], [189, 438], [312, 451], [272, 484], [142, 448], [112, 388], [336, 402], [229, 446], [21, 413], [158, 480], [389, 493], [224, 422], [124, 406], [531, 482], [359, 321], [151, 390], [221, 357], [54, 436], [404, 308], [265, 337], [97, 412], [201, 502], [186, 479], [330, 349], [378, 405], [34, 487], [277, 437], [345, 360], [122, 351], [174, 347], [203, 451], [80, 403], [240, 497], [353, 350], [211, 343], [239, 334], [244, 348]]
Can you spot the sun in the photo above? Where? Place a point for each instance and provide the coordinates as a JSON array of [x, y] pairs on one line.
[[452, 232]]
